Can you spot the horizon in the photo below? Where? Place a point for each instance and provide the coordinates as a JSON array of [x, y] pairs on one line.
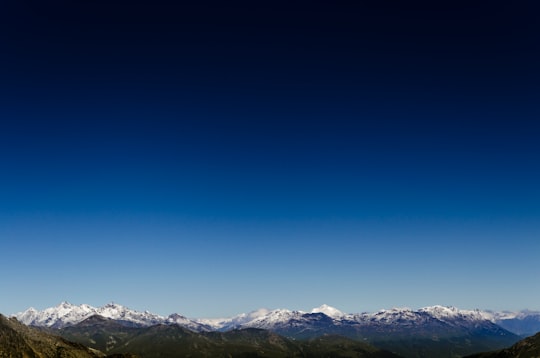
[[308, 310], [205, 158]]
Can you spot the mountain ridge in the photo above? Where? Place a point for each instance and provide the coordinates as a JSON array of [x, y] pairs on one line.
[[438, 331], [522, 323]]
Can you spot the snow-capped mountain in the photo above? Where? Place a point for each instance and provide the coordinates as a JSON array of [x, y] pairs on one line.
[[394, 316], [400, 330], [180, 320], [56, 317], [523, 323], [329, 311], [67, 314], [124, 314], [325, 319], [274, 318], [457, 317], [266, 319], [225, 324]]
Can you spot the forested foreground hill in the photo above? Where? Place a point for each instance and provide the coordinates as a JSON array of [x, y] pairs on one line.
[[168, 341], [176, 341], [526, 348], [403, 332], [18, 340]]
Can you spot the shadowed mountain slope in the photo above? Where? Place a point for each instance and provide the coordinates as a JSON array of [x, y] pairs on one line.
[[526, 348], [437, 331], [18, 340], [176, 341]]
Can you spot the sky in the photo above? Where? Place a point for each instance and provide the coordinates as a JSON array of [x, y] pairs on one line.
[[213, 159]]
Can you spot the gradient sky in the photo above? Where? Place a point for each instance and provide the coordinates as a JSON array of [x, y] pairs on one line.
[[213, 159]]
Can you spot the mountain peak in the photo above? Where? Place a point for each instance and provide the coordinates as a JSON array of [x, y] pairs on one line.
[[328, 310], [113, 305], [65, 304], [451, 312]]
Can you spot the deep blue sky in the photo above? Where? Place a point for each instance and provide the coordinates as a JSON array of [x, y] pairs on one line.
[[214, 159]]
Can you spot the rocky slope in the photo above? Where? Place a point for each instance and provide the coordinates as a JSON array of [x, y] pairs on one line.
[[526, 348], [18, 340]]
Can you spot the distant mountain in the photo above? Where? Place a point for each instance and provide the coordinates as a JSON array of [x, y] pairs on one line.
[[66, 314], [527, 348], [521, 323], [429, 332], [524, 323], [435, 331], [227, 324], [18, 340], [329, 311]]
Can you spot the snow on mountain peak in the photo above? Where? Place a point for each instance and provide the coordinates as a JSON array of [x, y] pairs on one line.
[[111, 310], [440, 311], [391, 315], [272, 318], [233, 322], [58, 316], [329, 311], [450, 312], [66, 314]]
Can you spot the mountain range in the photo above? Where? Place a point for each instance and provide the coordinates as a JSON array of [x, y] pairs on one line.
[[523, 323], [20, 341], [435, 331], [67, 314]]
